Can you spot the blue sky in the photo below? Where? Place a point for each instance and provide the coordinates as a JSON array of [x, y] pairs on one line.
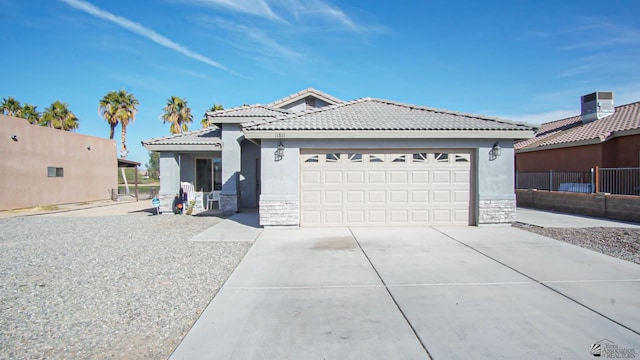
[[520, 60]]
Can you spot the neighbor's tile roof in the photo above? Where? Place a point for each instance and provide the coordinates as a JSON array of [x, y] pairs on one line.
[[206, 136], [304, 93], [376, 114], [247, 111], [572, 130]]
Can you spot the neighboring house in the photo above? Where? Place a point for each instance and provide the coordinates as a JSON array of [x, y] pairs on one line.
[[45, 166], [602, 135], [310, 159]]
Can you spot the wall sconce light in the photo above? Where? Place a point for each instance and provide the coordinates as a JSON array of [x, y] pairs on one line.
[[14, 138], [279, 152], [89, 147], [495, 151]]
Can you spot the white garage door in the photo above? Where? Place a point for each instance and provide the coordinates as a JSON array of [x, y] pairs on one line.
[[415, 187]]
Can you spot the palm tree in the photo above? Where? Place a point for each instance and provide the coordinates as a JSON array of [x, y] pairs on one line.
[[108, 109], [178, 113], [10, 106], [119, 107], [30, 113], [58, 116], [126, 114], [205, 122]]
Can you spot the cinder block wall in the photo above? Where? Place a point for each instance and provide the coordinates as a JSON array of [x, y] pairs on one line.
[[619, 207]]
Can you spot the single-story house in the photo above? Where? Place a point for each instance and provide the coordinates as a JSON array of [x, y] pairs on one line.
[[602, 135], [310, 159], [46, 166]]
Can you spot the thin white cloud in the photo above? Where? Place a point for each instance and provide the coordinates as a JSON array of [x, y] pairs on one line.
[[321, 9], [259, 8], [141, 30]]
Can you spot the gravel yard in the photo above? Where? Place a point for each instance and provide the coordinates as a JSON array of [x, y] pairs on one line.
[[127, 286], [621, 243]]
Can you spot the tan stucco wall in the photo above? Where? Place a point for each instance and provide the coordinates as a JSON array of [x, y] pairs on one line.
[[89, 175]]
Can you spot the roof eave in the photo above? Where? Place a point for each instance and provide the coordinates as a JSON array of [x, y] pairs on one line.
[[560, 146], [389, 134], [183, 147]]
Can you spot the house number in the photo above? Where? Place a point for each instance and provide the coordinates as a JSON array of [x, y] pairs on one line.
[[279, 135]]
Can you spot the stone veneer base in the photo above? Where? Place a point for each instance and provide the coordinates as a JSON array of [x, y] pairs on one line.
[[279, 213], [496, 212], [229, 203]]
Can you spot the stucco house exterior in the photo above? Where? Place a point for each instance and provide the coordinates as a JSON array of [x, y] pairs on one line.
[[45, 166], [310, 159], [602, 135]]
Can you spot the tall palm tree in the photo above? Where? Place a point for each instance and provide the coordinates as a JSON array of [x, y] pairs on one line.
[[108, 109], [119, 107], [126, 114], [58, 116], [205, 122], [178, 114], [10, 106], [30, 113]]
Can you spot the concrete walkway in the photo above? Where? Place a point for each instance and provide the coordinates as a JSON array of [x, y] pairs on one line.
[[544, 218], [415, 293], [243, 226]]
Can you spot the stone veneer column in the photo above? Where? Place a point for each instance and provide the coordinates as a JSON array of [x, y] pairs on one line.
[[496, 212], [279, 212], [231, 164]]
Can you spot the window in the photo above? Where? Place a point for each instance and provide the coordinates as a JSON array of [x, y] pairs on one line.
[[55, 171], [399, 158], [419, 157], [376, 158], [311, 158], [354, 157], [208, 175], [462, 158], [442, 157], [333, 157]]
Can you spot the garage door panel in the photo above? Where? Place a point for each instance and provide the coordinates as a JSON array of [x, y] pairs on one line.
[[441, 177], [420, 177], [311, 176], [419, 187], [355, 177], [355, 197], [333, 177], [398, 196], [398, 177], [333, 196], [311, 196], [441, 196], [377, 196]]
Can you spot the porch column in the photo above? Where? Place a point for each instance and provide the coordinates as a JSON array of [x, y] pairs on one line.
[[231, 161], [169, 180]]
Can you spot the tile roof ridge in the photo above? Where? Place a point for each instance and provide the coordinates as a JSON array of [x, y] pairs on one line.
[[182, 134], [457, 113]]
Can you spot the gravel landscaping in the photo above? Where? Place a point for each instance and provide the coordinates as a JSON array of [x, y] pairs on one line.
[[128, 286], [621, 243]]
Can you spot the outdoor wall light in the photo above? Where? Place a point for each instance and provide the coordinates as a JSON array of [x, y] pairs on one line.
[[494, 152], [14, 138], [497, 151], [280, 151]]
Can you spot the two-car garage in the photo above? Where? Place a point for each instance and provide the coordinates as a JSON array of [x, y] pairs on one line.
[[385, 187]]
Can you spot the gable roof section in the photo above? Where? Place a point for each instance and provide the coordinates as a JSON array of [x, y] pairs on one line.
[[373, 116], [303, 94], [572, 132], [243, 113], [203, 139]]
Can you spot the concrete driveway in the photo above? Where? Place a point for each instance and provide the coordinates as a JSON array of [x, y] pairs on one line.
[[415, 293]]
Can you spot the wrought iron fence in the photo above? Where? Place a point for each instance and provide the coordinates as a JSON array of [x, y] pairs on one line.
[[623, 181], [575, 181]]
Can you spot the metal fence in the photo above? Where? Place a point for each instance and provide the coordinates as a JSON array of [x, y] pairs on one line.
[[622, 181]]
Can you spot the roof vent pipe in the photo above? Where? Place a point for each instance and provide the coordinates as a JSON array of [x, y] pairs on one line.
[[596, 105]]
